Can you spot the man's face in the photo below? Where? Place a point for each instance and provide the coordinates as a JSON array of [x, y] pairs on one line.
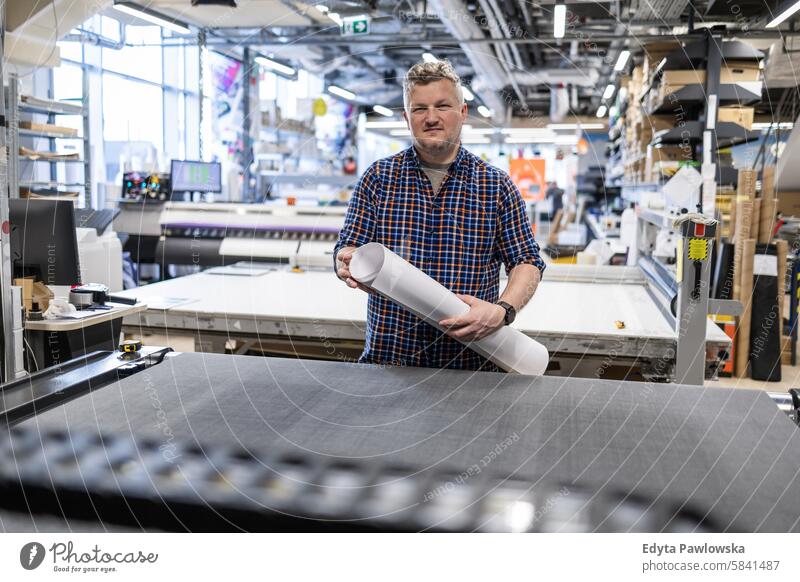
[[435, 115]]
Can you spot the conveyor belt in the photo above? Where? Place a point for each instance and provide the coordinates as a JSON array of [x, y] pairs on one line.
[[730, 453]]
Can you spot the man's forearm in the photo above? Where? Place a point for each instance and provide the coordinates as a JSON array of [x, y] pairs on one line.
[[522, 283]]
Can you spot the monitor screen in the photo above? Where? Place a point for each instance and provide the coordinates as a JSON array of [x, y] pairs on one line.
[[44, 243], [196, 176]]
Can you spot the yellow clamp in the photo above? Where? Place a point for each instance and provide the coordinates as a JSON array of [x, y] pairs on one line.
[[698, 249]]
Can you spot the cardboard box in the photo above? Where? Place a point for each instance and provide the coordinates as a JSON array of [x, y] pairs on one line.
[[684, 77], [654, 52], [789, 203], [740, 115], [739, 72], [669, 154], [660, 122]]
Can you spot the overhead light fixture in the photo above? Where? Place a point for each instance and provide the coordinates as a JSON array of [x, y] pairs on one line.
[[559, 20], [322, 8], [601, 111], [476, 140], [152, 17], [385, 111], [478, 130], [584, 126], [336, 18], [566, 139], [385, 124], [775, 125], [527, 131], [521, 140], [429, 58], [343, 93], [622, 60], [468, 95], [609, 92], [785, 13], [400, 133], [285, 70], [485, 111]]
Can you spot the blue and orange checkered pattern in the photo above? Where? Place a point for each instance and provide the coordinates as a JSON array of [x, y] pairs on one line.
[[459, 236]]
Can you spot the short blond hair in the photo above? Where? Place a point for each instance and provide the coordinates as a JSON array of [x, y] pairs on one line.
[[424, 72]]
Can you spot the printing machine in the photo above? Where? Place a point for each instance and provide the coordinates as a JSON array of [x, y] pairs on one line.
[[159, 440], [214, 234]]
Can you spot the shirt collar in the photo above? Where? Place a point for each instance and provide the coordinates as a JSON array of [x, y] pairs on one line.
[[412, 158]]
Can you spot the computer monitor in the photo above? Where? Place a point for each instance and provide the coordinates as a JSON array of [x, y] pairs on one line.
[[189, 176], [44, 243]]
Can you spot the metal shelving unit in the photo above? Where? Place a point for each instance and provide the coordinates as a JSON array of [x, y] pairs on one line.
[[17, 105]]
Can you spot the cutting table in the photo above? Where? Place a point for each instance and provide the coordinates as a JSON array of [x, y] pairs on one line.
[[211, 441], [588, 317]]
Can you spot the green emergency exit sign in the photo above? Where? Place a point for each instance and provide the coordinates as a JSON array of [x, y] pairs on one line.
[[355, 26]]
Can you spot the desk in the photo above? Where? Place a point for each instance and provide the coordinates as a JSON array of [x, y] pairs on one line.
[[54, 341], [313, 314]]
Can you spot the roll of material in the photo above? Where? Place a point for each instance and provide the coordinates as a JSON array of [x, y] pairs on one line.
[[746, 297], [769, 210], [755, 220], [398, 280], [742, 229]]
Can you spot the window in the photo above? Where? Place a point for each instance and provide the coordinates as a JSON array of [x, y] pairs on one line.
[[132, 111], [142, 61]]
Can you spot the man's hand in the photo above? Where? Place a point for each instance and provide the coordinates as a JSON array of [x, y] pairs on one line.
[[343, 258], [482, 319]]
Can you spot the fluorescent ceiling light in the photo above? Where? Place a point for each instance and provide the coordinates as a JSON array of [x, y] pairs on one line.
[[385, 111], [343, 93], [429, 58], [609, 92], [566, 139], [476, 140], [559, 20], [322, 8], [384, 124], [527, 131], [400, 133], [510, 139], [784, 15], [150, 16], [335, 17], [601, 111], [275, 66], [622, 60], [478, 130], [468, 95], [485, 111], [766, 124], [576, 125]]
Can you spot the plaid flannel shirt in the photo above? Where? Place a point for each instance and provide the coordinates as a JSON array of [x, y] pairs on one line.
[[459, 237]]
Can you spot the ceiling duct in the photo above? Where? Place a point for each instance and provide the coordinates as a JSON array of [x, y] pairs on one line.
[[659, 10], [489, 80]]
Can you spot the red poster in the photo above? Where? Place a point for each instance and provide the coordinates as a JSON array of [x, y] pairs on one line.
[[528, 175]]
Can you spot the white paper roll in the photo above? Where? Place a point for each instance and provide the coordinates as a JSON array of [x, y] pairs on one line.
[[396, 279]]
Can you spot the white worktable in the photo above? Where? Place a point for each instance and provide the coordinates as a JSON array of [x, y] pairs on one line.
[[566, 315]]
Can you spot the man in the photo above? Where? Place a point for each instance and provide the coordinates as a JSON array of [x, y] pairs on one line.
[[556, 196], [450, 214]]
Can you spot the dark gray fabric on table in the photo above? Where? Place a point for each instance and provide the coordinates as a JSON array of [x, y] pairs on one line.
[[725, 450]]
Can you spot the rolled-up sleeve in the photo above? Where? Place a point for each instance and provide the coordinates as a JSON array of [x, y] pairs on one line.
[[515, 242], [359, 221]]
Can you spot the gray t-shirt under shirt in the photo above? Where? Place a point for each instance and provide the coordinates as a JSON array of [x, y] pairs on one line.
[[436, 174]]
